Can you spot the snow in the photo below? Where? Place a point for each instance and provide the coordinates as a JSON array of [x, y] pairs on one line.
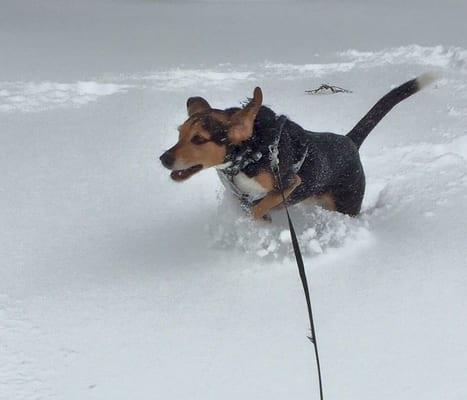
[[117, 283], [38, 96]]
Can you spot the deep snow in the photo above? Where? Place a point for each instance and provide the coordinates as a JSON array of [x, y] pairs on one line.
[[117, 283]]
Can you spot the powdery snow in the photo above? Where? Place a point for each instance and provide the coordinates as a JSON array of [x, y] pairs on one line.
[[39, 96], [117, 283]]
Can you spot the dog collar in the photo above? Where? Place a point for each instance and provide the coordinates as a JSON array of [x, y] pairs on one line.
[[238, 159], [240, 156]]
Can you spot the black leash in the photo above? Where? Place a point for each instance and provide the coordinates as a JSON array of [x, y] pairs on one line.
[[301, 270], [298, 258]]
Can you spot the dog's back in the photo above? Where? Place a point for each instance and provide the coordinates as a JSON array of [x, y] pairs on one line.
[[332, 166], [332, 169]]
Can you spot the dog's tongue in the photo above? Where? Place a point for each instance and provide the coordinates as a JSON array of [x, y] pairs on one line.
[[185, 173]]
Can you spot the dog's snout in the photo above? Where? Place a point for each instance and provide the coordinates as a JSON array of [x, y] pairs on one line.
[[167, 159]]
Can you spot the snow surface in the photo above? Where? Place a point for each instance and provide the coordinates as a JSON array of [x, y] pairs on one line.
[[117, 283]]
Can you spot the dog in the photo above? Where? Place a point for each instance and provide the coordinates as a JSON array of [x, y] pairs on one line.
[[267, 159]]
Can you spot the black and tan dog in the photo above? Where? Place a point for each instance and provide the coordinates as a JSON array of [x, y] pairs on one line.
[[244, 143]]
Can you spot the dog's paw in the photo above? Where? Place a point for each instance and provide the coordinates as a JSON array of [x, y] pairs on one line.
[[297, 182], [256, 213]]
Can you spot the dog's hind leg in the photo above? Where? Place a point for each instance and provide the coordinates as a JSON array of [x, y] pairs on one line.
[[273, 199], [349, 201], [325, 200]]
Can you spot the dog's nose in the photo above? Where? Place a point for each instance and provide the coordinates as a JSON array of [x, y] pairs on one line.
[[167, 159]]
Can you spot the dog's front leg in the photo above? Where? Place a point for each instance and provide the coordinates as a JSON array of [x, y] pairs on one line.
[[273, 199]]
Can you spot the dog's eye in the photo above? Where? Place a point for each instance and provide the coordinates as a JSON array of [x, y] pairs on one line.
[[197, 139]]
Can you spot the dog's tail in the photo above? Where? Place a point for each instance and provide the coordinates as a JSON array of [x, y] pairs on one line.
[[360, 131]]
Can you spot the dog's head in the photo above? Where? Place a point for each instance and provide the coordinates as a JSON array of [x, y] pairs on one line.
[[204, 137]]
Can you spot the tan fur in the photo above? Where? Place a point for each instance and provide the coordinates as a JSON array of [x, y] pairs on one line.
[[188, 154], [265, 179], [273, 199], [241, 123], [325, 200], [208, 154]]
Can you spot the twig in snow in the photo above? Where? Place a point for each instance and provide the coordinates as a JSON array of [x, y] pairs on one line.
[[325, 87]]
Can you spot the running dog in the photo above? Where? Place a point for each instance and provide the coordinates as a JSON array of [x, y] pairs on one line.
[[266, 159]]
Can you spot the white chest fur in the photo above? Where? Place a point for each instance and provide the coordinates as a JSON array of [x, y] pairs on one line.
[[249, 186]]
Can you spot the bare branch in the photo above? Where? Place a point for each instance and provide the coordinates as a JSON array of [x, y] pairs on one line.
[[326, 88]]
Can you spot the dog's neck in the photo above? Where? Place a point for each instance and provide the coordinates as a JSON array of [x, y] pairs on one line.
[[239, 158], [253, 149]]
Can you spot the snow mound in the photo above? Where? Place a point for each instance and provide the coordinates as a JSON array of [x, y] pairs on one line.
[[316, 69], [454, 58], [40, 96], [178, 78], [436, 56], [223, 76], [318, 230]]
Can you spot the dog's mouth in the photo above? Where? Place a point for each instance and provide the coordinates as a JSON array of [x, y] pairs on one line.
[[183, 174]]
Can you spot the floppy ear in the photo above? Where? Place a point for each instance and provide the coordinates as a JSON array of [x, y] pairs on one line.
[[196, 104], [241, 123]]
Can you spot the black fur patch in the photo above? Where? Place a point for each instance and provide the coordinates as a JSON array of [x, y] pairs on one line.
[[216, 129]]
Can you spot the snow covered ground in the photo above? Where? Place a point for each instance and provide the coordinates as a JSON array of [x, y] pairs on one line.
[[117, 283]]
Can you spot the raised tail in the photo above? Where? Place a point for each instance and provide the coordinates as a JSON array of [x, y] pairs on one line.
[[360, 131]]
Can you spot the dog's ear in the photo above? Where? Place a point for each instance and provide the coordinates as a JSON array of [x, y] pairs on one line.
[[196, 104], [241, 123]]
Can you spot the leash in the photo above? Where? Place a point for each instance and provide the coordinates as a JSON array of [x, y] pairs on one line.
[[274, 154]]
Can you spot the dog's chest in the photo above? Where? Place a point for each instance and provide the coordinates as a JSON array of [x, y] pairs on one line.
[[249, 186], [244, 186]]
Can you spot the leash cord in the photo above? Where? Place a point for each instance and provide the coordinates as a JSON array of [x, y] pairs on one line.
[[301, 268]]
